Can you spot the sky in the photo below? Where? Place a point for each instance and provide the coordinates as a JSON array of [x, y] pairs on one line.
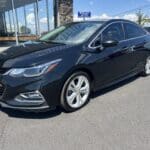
[[110, 8], [100, 9]]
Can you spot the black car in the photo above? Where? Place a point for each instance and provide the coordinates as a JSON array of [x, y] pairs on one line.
[[148, 29], [65, 65]]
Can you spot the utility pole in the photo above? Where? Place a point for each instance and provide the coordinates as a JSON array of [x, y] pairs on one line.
[[15, 22], [55, 2], [48, 15]]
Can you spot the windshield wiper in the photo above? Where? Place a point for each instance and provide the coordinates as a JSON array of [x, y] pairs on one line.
[[48, 41]]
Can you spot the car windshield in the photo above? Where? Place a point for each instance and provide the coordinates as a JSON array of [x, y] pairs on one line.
[[74, 33]]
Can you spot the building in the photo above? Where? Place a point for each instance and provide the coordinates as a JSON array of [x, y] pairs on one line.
[[28, 19]]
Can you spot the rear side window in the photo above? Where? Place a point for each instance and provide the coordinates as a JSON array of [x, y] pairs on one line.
[[133, 31], [113, 32]]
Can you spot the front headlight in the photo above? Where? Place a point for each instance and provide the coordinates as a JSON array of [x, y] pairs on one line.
[[34, 71]]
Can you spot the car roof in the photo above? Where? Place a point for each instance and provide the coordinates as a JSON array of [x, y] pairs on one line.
[[104, 21]]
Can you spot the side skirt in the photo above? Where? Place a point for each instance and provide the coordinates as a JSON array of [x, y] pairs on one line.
[[117, 81]]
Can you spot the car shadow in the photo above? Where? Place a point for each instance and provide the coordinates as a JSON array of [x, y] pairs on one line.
[[32, 115], [113, 87], [58, 111]]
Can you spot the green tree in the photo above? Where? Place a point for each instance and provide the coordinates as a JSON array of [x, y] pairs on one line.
[[25, 30], [142, 18]]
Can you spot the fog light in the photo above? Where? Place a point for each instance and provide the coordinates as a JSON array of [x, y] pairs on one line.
[[30, 98]]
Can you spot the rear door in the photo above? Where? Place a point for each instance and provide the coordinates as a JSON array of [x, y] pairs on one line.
[[137, 39], [121, 54]]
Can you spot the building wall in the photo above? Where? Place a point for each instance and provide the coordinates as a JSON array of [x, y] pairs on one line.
[[65, 11]]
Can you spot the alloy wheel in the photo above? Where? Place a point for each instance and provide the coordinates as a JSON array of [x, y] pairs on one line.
[[78, 91], [147, 66]]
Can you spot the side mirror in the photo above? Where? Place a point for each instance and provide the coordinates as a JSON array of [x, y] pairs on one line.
[[110, 43], [97, 45]]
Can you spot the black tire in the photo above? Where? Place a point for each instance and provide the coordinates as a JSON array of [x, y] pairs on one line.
[[64, 103], [144, 73]]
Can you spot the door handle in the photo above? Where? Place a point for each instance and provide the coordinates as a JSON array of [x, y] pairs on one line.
[[130, 49], [126, 49]]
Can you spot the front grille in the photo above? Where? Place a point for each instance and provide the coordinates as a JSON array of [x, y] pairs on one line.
[[2, 88]]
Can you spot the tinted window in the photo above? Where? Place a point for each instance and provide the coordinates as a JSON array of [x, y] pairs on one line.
[[148, 29], [113, 32], [133, 31]]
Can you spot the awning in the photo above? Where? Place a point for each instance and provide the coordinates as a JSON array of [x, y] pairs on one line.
[[6, 5]]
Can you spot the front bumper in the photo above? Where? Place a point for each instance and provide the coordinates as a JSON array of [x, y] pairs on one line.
[[40, 108], [47, 88], [29, 101]]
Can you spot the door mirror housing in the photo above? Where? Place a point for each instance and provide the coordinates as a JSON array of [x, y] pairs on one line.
[[110, 43], [97, 45]]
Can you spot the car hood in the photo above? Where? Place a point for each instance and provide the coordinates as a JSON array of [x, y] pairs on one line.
[[31, 53]]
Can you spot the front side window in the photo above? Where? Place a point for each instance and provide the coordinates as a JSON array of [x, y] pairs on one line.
[[132, 31], [113, 32], [73, 33]]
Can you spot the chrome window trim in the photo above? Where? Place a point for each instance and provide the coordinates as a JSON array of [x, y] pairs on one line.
[[134, 38], [94, 39], [122, 22]]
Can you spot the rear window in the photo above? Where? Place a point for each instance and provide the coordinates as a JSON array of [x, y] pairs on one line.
[[133, 30], [148, 29]]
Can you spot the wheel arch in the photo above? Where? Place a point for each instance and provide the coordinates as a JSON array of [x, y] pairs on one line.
[[82, 69], [68, 77]]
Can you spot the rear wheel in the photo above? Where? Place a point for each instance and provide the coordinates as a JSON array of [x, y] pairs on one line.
[[75, 92], [147, 67]]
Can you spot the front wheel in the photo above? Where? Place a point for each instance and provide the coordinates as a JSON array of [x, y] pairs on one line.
[[75, 92]]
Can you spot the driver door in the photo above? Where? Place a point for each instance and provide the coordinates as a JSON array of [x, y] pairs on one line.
[[113, 61]]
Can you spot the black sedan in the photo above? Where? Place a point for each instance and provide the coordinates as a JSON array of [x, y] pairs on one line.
[[148, 29], [65, 65]]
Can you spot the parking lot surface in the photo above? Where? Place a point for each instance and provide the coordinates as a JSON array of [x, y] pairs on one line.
[[117, 118]]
